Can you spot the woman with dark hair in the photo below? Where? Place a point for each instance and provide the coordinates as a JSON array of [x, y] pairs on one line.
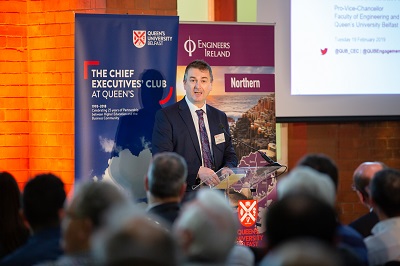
[[13, 232]]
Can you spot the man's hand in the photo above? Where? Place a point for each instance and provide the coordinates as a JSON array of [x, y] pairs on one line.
[[208, 176], [226, 171]]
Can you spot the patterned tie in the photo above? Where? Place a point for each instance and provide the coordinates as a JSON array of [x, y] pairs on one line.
[[205, 144]]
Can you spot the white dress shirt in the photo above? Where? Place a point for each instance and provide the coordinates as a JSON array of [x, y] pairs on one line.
[[193, 108], [384, 243]]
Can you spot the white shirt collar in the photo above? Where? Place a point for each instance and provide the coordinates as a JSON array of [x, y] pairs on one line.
[[193, 108]]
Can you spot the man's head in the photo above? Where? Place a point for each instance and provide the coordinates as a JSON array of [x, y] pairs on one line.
[[85, 213], [43, 201], [303, 252], [10, 197], [133, 237], [300, 215], [304, 179], [197, 82], [166, 177], [362, 177], [385, 193], [322, 163], [206, 228]]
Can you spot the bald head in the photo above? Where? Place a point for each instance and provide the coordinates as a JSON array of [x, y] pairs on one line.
[[363, 175], [368, 169]]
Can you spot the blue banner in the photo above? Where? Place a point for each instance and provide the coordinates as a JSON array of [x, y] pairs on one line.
[[125, 70]]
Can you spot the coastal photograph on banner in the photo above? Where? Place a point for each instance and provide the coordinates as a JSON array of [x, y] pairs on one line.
[[242, 61], [248, 103], [125, 71]]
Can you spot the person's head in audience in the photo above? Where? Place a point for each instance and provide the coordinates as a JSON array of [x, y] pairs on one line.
[[323, 164], [13, 232], [304, 179], [166, 178], [206, 229], [303, 252], [85, 211], [362, 177], [133, 237], [43, 201], [385, 193], [384, 242], [300, 215], [349, 241], [42, 208]]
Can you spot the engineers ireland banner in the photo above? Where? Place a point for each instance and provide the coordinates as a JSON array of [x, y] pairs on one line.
[[242, 58]]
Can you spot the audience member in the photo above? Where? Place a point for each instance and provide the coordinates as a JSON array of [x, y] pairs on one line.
[[304, 179], [206, 229], [300, 215], [241, 256], [165, 185], [13, 231], [84, 215], [303, 252], [323, 164], [348, 237], [384, 243], [361, 179], [133, 237], [42, 201]]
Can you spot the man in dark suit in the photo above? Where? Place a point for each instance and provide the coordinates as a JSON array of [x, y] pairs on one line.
[[177, 129], [361, 179], [165, 184], [43, 207]]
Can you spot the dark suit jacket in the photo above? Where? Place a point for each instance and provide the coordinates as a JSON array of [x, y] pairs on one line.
[[365, 223], [174, 131], [40, 247], [168, 211]]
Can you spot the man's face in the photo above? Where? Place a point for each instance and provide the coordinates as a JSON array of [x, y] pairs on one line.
[[197, 86], [75, 231]]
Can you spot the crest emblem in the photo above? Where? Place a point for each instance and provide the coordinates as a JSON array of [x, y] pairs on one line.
[[247, 212], [139, 38]]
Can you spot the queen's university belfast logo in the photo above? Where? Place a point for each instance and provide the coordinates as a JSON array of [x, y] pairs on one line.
[[247, 212], [139, 38]]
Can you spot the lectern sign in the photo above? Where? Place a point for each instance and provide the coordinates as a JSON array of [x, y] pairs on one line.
[[247, 212]]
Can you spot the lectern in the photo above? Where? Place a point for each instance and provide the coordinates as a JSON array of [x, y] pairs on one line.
[[250, 190], [243, 177]]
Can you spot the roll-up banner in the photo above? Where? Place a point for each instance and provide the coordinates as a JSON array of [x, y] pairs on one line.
[[125, 70], [242, 58]]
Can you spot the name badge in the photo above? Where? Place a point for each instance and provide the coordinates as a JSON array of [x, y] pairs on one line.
[[220, 138]]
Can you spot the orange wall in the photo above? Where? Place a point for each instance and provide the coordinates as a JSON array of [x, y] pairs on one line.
[[37, 80], [349, 144]]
